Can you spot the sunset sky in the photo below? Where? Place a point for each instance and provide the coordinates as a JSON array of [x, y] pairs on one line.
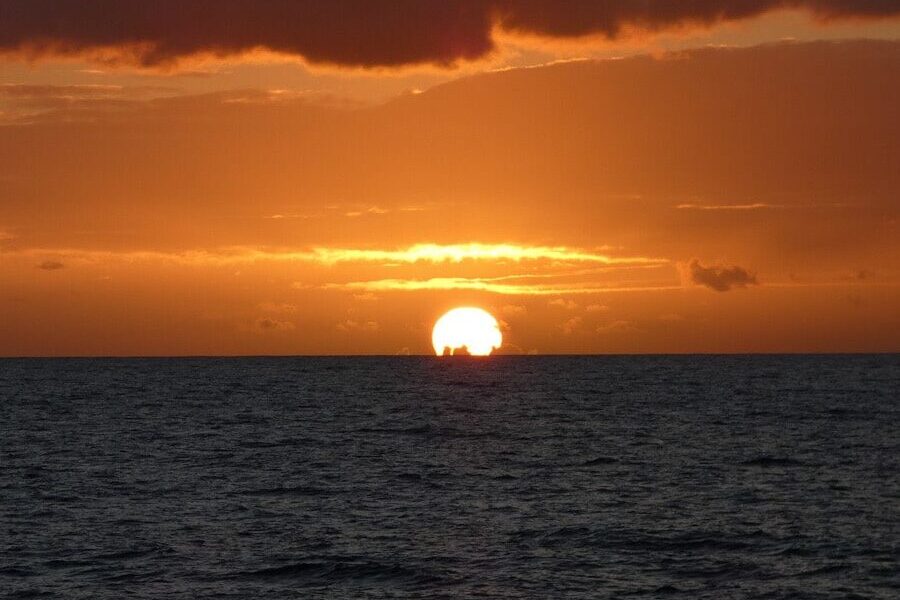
[[218, 177]]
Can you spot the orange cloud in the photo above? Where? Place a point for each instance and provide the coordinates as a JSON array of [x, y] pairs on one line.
[[564, 303], [615, 327], [513, 311], [436, 253], [754, 206], [486, 285], [418, 253], [267, 324], [354, 33], [571, 325], [351, 325]]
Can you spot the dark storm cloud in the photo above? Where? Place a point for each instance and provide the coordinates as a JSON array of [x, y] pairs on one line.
[[51, 265], [720, 278], [361, 33]]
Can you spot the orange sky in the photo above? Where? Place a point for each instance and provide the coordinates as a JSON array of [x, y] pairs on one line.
[[602, 182]]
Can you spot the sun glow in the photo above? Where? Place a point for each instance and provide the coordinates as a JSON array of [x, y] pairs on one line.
[[466, 330]]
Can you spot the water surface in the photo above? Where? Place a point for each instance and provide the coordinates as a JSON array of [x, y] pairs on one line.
[[514, 477]]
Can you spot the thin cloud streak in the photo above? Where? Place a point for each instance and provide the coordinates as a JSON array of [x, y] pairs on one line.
[[484, 285], [419, 253], [435, 253], [491, 285], [754, 206]]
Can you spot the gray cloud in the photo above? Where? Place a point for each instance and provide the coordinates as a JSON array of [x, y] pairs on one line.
[[720, 278]]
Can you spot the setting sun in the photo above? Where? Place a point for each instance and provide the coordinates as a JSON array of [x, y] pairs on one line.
[[466, 330]]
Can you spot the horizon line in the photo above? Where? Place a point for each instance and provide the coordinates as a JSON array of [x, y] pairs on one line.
[[446, 358]]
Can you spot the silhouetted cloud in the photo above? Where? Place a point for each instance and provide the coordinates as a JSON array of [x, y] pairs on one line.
[[51, 265], [720, 278], [359, 33]]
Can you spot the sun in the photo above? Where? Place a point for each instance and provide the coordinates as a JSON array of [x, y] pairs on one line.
[[466, 330]]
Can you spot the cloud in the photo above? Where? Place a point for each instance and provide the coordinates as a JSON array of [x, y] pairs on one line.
[[720, 278], [512, 311], [354, 33], [671, 317], [418, 253], [28, 101], [276, 307], [486, 285], [82, 91], [564, 303], [754, 206], [616, 327], [596, 308], [436, 253], [51, 265], [267, 324], [371, 210], [351, 325], [571, 325], [279, 216]]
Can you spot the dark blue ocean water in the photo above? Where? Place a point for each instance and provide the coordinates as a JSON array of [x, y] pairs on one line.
[[512, 477]]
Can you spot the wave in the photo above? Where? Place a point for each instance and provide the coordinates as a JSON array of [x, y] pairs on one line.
[[599, 461], [340, 569], [300, 490], [772, 461], [643, 541], [427, 430], [826, 570]]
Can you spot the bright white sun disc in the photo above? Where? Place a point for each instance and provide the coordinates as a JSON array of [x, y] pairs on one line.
[[466, 330]]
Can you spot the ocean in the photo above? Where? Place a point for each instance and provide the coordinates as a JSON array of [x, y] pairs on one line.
[[417, 477]]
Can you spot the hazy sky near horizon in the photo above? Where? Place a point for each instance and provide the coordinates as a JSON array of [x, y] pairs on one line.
[[239, 177]]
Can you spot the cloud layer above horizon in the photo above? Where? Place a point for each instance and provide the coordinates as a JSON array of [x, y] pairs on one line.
[[716, 199], [356, 33]]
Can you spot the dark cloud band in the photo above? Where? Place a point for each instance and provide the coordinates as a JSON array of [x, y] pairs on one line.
[[356, 33]]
